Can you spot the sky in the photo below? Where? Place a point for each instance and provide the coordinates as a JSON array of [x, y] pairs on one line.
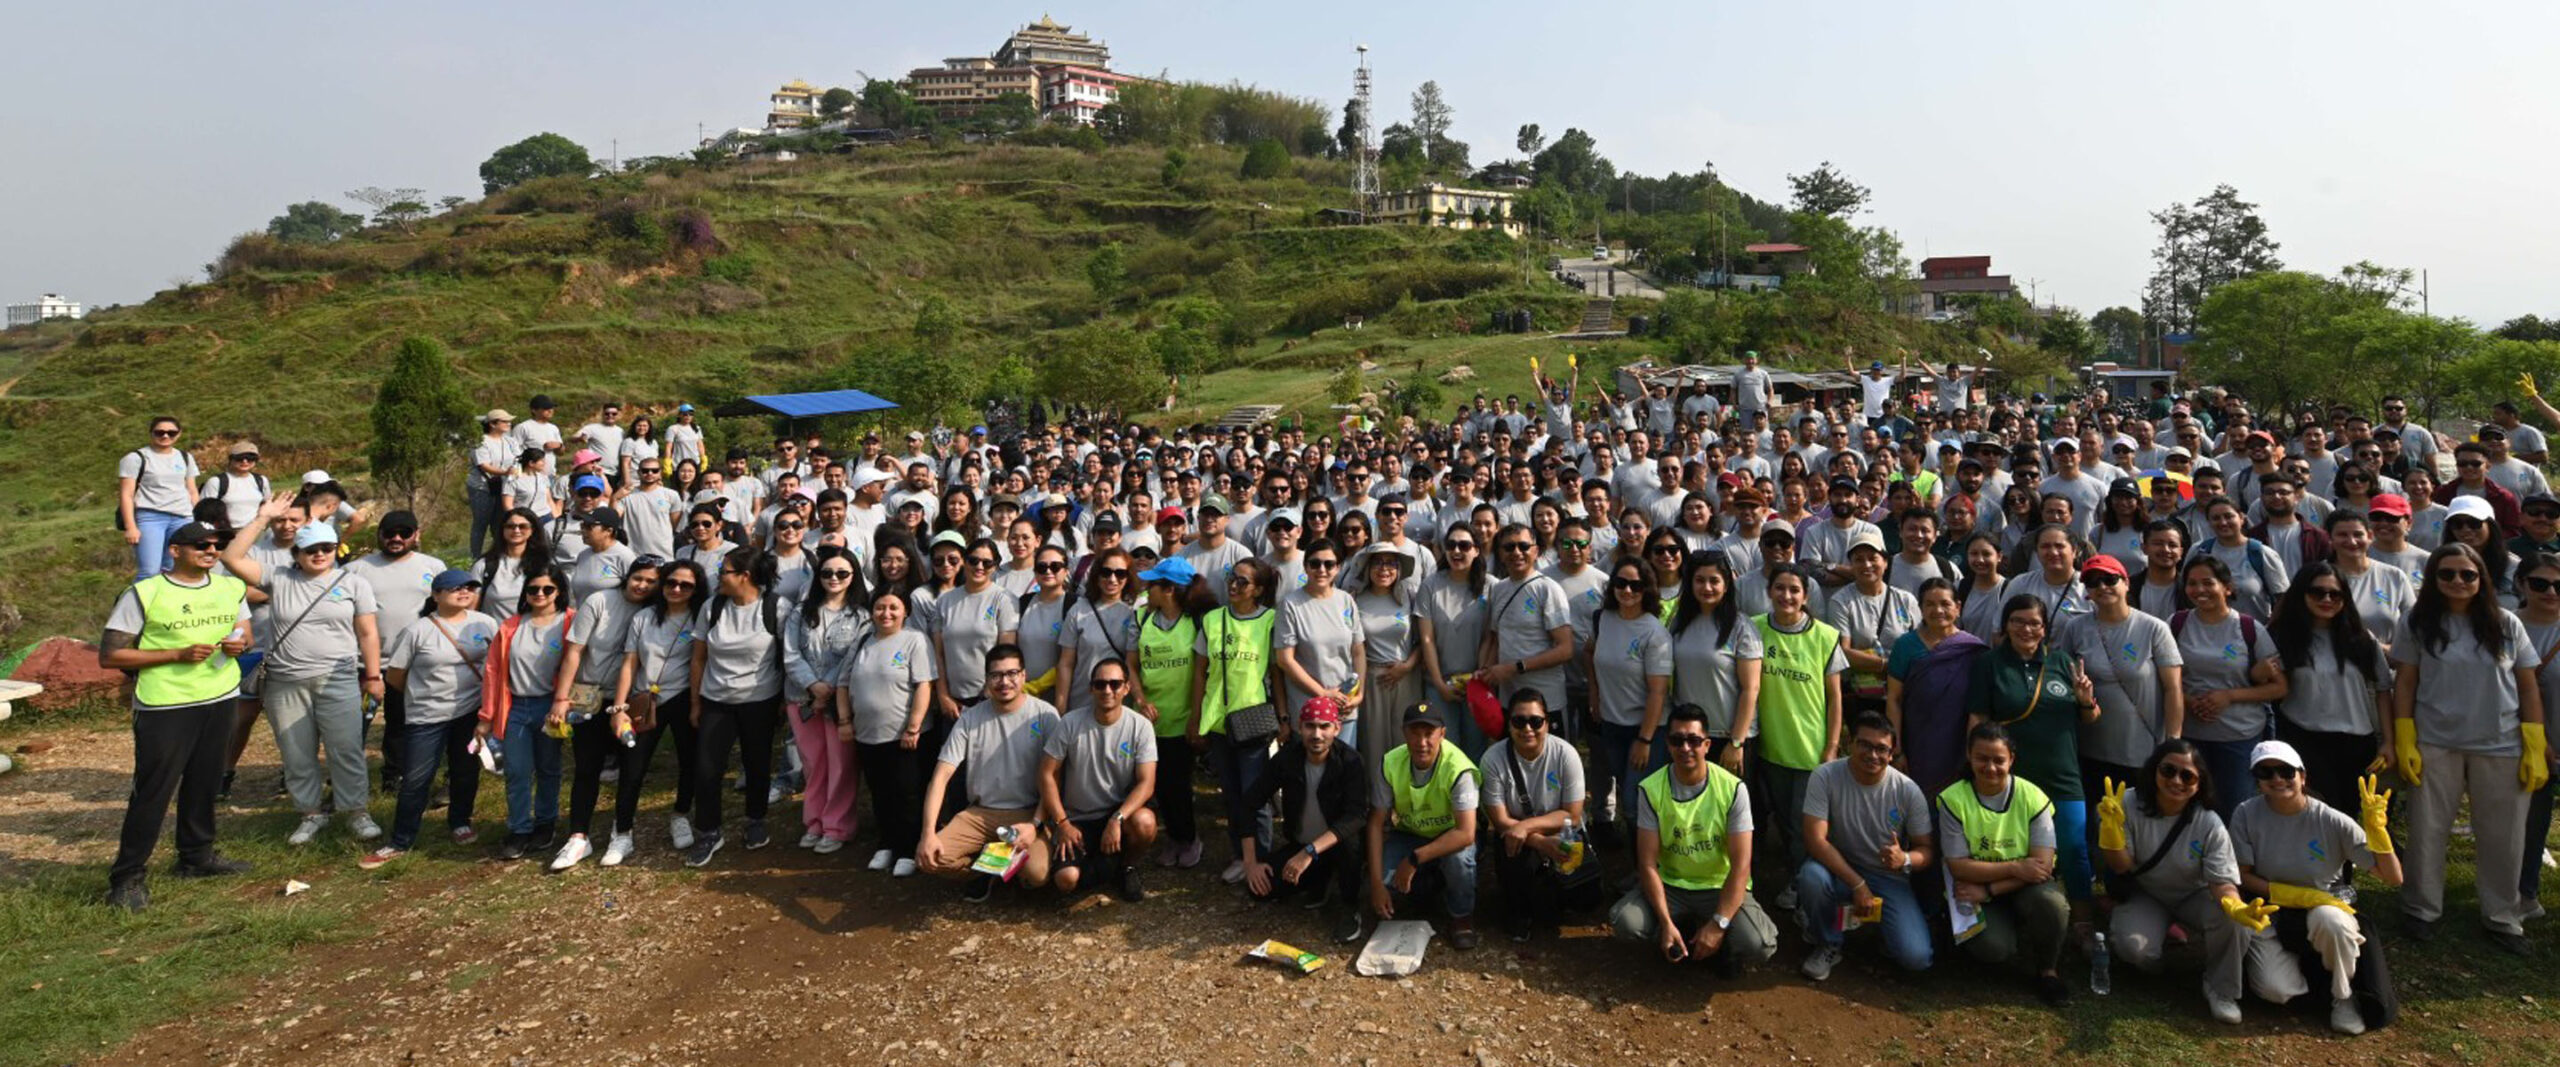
[[141, 136]]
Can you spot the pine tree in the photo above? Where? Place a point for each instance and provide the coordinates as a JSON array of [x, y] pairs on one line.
[[419, 417]]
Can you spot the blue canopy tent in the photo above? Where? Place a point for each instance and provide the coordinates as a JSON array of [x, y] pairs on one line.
[[797, 406]]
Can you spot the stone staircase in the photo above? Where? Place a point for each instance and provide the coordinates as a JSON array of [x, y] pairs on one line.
[[1248, 416], [1598, 316]]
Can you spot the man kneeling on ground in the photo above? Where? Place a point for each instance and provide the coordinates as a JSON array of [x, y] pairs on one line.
[[999, 739], [1693, 858], [1533, 791], [1096, 776], [1422, 813], [1324, 803], [1866, 829]]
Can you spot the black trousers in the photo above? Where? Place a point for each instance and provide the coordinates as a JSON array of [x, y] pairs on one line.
[[1532, 889], [675, 719], [177, 753], [2333, 762], [592, 747], [750, 728], [896, 777], [1337, 864], [1175, 765], [395, 742]]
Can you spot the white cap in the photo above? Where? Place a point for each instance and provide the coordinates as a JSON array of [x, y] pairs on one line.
[[2181, 452], [1867, 537], [2470, 507], [316, 476], [2277, 751], [870, 476]]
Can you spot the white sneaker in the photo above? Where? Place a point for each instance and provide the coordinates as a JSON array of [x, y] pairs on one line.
[[611, 773], [2227, 1011], [617, 850], [904, 869], [1234, 872], [776, 793], [811, 839], [577, 849], [1818, 965], [363, 826], [680, 831], [2345, 1017], [880, 860], [310, 828], [827, 845]]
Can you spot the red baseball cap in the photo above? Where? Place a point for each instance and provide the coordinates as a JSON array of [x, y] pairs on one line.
[[2105, 564], [2389, 504]]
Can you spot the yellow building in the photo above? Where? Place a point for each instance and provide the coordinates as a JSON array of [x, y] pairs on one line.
[[1045, 42], [967, 83], [795, 104], [1441, 205]]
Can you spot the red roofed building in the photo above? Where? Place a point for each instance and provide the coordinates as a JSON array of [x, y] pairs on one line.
[[1944, 278]]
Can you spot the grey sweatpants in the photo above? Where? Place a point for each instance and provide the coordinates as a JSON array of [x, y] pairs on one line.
[[315, 718]]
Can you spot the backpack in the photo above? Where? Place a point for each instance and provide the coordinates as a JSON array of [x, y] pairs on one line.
[[222, 484], [2248, 627]]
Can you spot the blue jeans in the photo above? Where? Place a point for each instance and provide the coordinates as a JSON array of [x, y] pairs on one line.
[[1457, 871], [2228, 763], [1609, 754], [424, 745], [1820, 894], [151, 554], [1463, 731], [2071, 846], [1238, 766], [532, 766], [2537, 829]]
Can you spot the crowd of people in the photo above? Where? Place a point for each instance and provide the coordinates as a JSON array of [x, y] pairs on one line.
[[1994, 675]]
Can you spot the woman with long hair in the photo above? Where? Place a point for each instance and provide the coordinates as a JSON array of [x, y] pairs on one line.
[[1665, 556], [1630, 685], [654, 687], [1997, 833], [1390, 649], [2232, 672], [2035, 690], [515, 706], [817, 644], [639, 446], [1103, 624], [2339, 680], [324, 660], [2169, 860], [2158, 591], [2135, 671], [900, 567], [789, 549], [960, 514], [1044, 618], [1166, 681], [2121, 524], [2469, 521], [1317, 643], [1715, 658], [2257, 573], [437, 660], [1235, 641], [883, 699], [155, 494], [1978, 600], [2018, 517], [1928, 680], [706, 537], [2540, 581], [737, 693], [2467, 724], [592, 660], [1449, 618], [2354, 488], [518, 549]]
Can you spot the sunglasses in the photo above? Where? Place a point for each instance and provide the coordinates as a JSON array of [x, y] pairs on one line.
[[1462, 546], [981, 561], [1627, 585], [2100, 579], [1391, 511], [1573, 544], [319, 550], [2543, 585], [2174, 773], [1528, 722], [676, 585], [164, 433], [2325, 592], [706, 524], [1105, 685], [1688, 740], [1115, 573], [791, 526], [540, 590], [2466, 577], [833, 575], [1050, 567], [1666, 550], [527, 526], [1516, 546], [2266, 771], [1323, 564], [199, 546]]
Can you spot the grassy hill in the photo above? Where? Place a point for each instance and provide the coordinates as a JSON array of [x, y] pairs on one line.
[[700, 283]]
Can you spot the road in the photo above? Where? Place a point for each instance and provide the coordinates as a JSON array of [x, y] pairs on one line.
[[1596, 272]]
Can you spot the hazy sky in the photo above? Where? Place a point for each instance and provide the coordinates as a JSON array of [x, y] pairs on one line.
[[140, 137]]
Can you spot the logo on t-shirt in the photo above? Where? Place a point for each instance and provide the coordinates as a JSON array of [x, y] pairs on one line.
[[1128, 750], [898, 659], [2318, 849], [2195, 849], [1635, 649], [990, 614], [2234, 652], [1039, 728], [1554, 781]]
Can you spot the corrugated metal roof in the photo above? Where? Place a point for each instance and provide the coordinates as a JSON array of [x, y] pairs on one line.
[[810, 405]]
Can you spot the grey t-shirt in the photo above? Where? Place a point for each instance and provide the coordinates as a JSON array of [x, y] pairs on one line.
[[2467, 698], [1866, 818], [160, 480], [401, 587], [1538, 786], [2123, 660], [1325, 636], [444, 671], [1704, 659], [1216, 564], [881, 679], [1872, 623], [665, 648], [1098, 764], [1457, 616], [1624, 654], [744, 662], [597, 572], [649, 519], [602, 626], [327, 606], [2383, 595], [1386, 628], [2333, 696], [533, 656], [2201, 860], [969, 624], [1002, 752], [2218, 656], [1042, 626], [1524, 613], [1096, 631], [1584, 595], [2319, 846]]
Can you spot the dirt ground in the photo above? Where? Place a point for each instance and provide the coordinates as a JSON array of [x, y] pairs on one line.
[[782, 956]]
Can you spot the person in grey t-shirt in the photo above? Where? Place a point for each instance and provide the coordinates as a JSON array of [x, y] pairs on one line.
[[2301, 854], [1533, 792], [2173, 863], [1097, 772], [1867, 826], [325, 657], [999, 740]]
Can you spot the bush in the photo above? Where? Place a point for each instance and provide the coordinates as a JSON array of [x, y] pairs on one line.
[[1266, 159], [732, 268]]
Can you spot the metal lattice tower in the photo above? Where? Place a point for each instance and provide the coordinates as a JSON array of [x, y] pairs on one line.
[[1364, 182]]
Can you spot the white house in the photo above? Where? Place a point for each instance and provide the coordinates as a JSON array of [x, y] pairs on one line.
[[50, 307]]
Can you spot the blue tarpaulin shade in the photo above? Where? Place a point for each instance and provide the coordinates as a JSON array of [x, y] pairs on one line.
[[807, 405]]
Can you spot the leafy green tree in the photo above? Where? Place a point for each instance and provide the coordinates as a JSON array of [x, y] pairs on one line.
[[835, 101], [1530, 140], [1266, 159], [2120, 330], [1346, 138], [2203, 247], [1449, 156], [2486, 373], [1313, 141], [2529, 328], [312, 222], [2067, 335], [1107, 270], [542, 155], [937, 324], [1574, 164], [1347, 383], [1176, 162], [1399, 143], [1098, 365], [1826, 191], [1008, 111], [1431, 116], [419, 415], [2292, 336]]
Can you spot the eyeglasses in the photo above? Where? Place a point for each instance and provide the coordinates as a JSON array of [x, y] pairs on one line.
[[1105, 685], [1238, 579], [2449, 574], [516, 526], [1114, 573], [1014, 673], [2175, 773], [2470, 464], [790, 526], [675, 585], [1528, 722], [2265, 771], [1688, 740], [540, 590], [706, 524], [1873, 748]]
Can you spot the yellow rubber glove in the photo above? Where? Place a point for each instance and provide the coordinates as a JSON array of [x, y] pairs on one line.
[[1040, 686], [2111, 817], [2304, 898], [2404, 748], [2525, 382], [2376, 814], [2248, 914], [2535, 771]]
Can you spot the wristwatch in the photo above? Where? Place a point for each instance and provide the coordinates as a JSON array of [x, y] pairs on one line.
[[1312, 853], [1724, 922]]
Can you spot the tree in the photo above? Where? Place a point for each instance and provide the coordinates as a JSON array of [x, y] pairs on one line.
[[1099, 365], [885, 106], [937, 324], [419, 416], [1449, 156], [1008, 111], [1575, 164], [835, 101], [1347, 137], [1529, 141], [542, 155], [2528, 328], [1431, 116], [448, 203], [2068, 336], [1398, 143], [1107, 269], [2292, 336], [1827, 192], [2203, 246], [2120, 331], [313, 222], [1266, 159]]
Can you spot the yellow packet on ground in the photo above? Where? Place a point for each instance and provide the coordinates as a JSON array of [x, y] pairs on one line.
[[1287, 955]]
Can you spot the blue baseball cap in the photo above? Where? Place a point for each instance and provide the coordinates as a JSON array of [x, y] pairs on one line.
[[1173, 569], [589, 481], [684, 407], [311, 534], [452, 579]]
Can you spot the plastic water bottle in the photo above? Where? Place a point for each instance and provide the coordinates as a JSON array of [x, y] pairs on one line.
[[2100, 962]]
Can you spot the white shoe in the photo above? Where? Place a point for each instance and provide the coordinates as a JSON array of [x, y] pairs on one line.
[[811, 839], [310, 828], [617, 850], [880, 860], [611, 773], [827, 845], [904, 869], [577, 849], [363, 826], [1234, 872], [1818, 965], [2345, 1017], [680, 831], [2228, 1011], [776, 793]]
